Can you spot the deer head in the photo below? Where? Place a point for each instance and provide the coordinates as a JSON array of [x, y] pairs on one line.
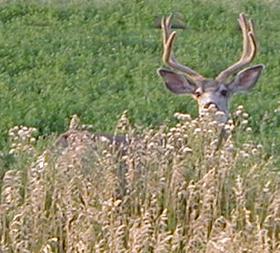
[[211, 92]]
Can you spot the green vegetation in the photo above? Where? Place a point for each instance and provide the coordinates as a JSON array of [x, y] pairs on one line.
[[99, 58]]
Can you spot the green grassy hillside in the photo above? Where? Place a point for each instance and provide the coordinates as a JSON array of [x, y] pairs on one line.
[[99, 58]]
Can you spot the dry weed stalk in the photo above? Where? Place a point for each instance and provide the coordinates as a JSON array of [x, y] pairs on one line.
[[161, 190]]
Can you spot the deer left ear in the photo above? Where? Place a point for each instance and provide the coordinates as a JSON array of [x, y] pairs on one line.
[[246, 79], [176, 83]]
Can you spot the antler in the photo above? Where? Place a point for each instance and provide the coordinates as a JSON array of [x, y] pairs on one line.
[[249, 48], [168, 56]]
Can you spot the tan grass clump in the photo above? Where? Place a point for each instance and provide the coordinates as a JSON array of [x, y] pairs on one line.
[[179, 189]]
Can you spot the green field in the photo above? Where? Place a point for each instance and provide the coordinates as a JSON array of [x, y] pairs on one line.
[[99, 58]]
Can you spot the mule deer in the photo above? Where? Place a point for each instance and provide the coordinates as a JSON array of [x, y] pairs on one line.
[[217, 92], [78, 150]]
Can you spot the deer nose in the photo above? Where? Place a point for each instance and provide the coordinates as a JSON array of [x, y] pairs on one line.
[[210, 105]]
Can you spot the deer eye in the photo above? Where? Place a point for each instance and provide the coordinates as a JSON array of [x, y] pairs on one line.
[[224, 92]]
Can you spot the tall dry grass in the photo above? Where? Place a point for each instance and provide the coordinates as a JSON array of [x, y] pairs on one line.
[[164, 190]]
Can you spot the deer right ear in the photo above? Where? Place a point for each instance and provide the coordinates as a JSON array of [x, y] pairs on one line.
[[176, 83]]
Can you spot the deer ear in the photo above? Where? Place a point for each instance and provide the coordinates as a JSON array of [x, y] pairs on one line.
[[246, 79], [176, 83]]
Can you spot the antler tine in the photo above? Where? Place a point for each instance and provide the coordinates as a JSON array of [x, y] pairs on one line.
[[252, 34], [249, 48], [166, 28], [168, 56], [249, 38]]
